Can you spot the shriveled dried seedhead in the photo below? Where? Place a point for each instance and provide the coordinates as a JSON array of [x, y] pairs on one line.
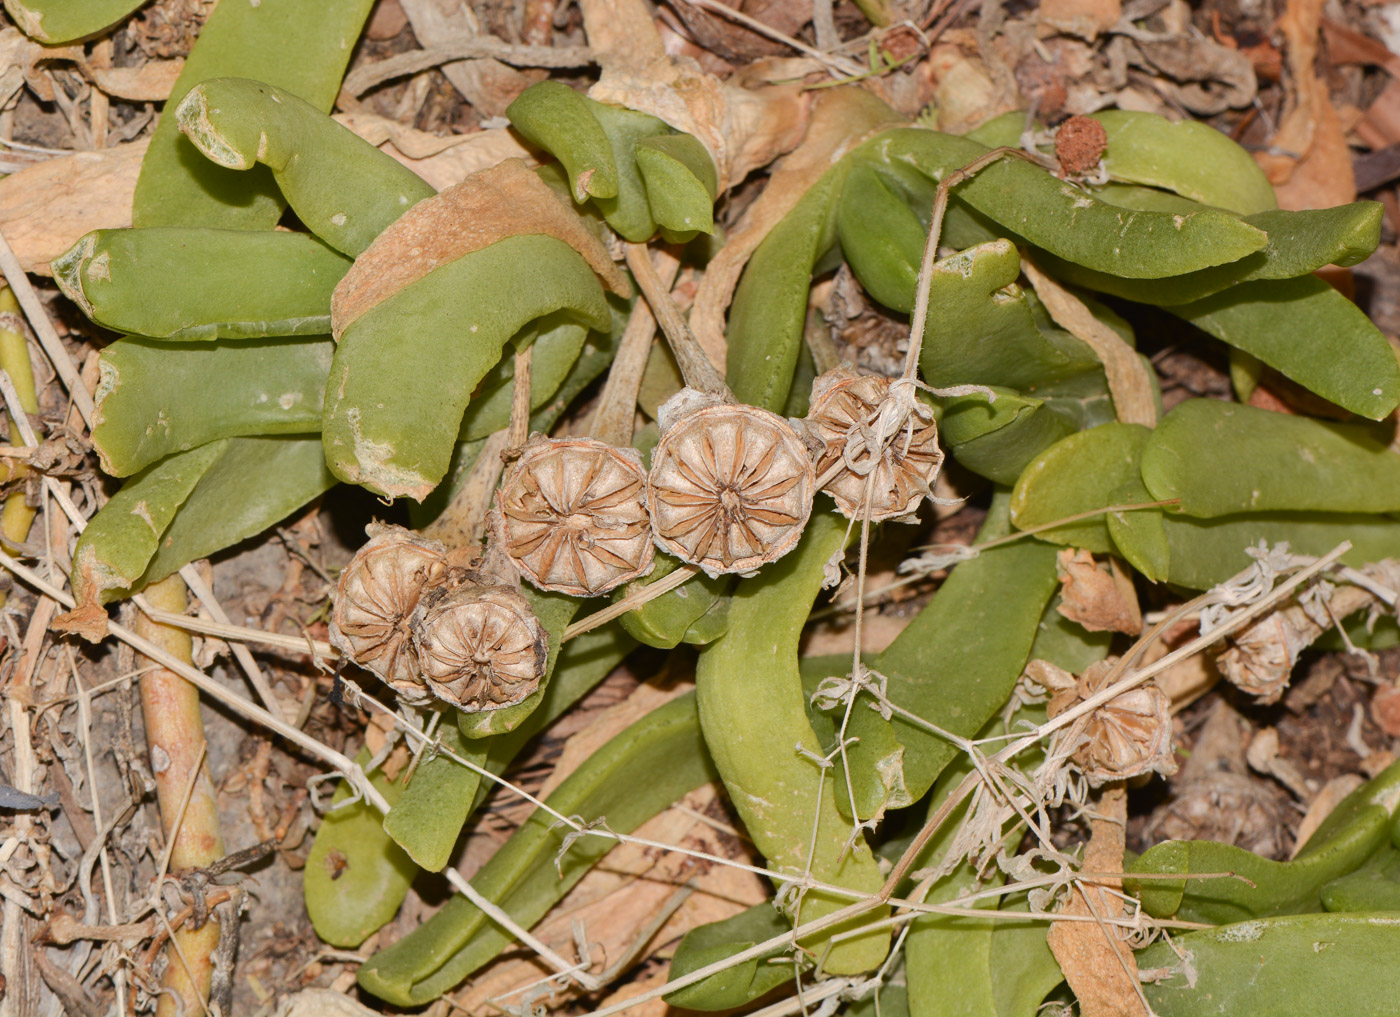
[[843, 424], [479, 646], [375, 598], [730, 487], [573, 515], [1127, 736]]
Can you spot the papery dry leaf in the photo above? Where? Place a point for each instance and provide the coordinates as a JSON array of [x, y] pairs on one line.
[[1321, 174], [418, 147], [504, 201], [1099, 597], [487, 84], [1097, 959], [1201, 75], [1261, 656], [1129, 382], [841, 118], [573, 515], [46, 207], [730, 487], [13, 45], [844, 407], [1189, 678], [1085, 18], [479, 647], [151, 82]]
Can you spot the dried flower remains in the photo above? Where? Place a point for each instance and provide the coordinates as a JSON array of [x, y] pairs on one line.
[[842, 423], [1127, 736], [374, 602], [730, 487], [479, 647], [573, 516]]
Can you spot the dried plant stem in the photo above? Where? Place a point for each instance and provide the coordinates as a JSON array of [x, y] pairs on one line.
[[464, 519], [838, 65], [695, 365], [631, 601], [520, 397], [175, 738], [43, 328], [612, 421]]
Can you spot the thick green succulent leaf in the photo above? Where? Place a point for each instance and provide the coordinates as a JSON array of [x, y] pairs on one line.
[[630, 779], [773, 786], [770, 304], [1279, 967], [553, 116], [403, 371], [1140, 535], [1307, 331], [1356, 830], [340, 186], [743, 983], [1077, 474], [301, 47], [1299, 243], [1224, 458], [666, 621], [190, 505], [255, 483], [555, 352], [1069, 222], [53, 22], [637, 170], [155, 399], [355, 878], [1204, 552], [427, 818], [953, 665], [199, 283], [997, 439], [681, 183], [1190, 158], [982, 327], [881, 237], [122, 538], [1373, 887]]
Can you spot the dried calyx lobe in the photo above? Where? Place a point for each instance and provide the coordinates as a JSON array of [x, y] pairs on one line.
[[434, 623]]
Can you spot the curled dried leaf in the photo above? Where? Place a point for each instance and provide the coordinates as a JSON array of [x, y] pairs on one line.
[[1128, 736], [1098, 596], [845, 407], [479, 647], [573, 516], [730, 487], [503, 201], [374, 602]]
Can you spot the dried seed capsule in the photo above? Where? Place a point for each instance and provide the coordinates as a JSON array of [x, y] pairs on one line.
[[842, 423], [375, 598], [573, 516], [730, 487], [479, 647], [1129, 735]]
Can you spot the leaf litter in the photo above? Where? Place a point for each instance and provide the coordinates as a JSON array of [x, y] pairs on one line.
[[284, 582]]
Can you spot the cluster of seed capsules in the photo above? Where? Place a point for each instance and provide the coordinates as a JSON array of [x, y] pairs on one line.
[[730, 489]]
